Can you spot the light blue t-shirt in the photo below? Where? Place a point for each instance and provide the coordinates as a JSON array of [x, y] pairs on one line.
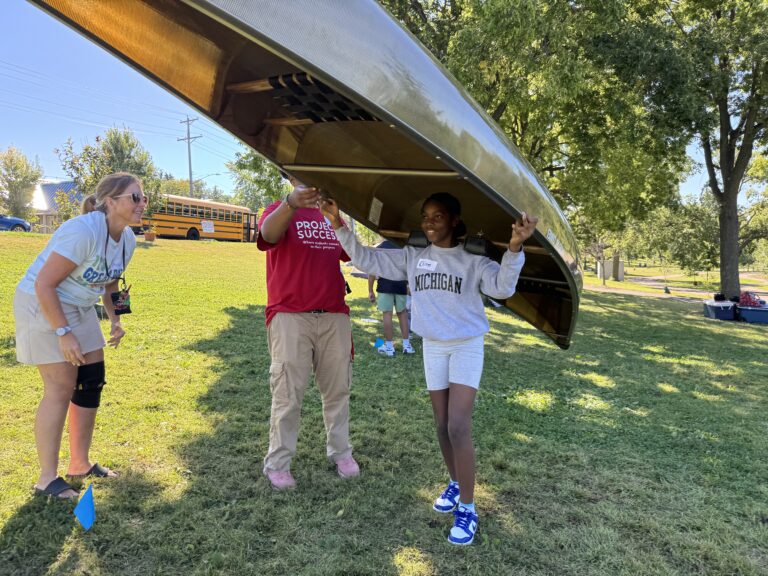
[[100, 260]]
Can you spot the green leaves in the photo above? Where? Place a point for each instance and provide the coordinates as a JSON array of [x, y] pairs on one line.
[[117, 151], [18, 177], [257, 181]]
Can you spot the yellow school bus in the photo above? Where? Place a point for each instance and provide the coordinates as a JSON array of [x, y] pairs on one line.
[[192, 218]]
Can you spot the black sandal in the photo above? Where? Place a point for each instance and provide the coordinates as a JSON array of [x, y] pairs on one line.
[[96, 471], [56, 487]]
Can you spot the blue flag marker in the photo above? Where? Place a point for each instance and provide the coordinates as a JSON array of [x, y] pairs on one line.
[[379, 342], [85, 511]]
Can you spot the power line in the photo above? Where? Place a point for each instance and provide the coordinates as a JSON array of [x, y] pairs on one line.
[[78, 87], [75, 108], [189, 139]]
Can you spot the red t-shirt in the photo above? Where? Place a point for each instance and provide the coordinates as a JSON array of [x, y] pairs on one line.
[[303, 271]]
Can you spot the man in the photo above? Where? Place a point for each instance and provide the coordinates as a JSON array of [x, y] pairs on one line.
[[391, 294], [308, 330]]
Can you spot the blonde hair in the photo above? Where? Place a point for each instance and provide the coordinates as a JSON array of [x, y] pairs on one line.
[[89, 204], [110, 186]]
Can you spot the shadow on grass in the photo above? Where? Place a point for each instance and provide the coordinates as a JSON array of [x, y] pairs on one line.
[[644, 417], [8, 351], [144, 245], [328, 524], [637, 451], [40, 532]]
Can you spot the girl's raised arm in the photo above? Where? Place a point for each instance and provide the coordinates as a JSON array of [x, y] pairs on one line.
[[391, 264]]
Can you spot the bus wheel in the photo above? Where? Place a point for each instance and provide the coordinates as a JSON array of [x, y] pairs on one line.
[[193, 234]]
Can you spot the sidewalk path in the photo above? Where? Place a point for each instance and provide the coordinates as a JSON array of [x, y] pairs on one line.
[[687, 296]]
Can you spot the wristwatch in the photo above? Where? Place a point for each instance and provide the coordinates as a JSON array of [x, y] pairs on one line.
[[63, 331], [288, 203]]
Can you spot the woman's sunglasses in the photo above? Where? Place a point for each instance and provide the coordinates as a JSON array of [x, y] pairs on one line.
[[137, 197]]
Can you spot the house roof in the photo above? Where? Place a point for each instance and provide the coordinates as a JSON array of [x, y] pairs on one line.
[[46, 200]]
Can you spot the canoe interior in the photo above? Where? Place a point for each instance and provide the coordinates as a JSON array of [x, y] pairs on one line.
[[378, 171]]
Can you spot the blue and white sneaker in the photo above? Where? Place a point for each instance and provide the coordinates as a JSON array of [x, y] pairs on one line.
[[448, 500], [464, 527], [385, 350]]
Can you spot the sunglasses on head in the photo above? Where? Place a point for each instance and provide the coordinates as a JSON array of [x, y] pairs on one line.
[[137, 197]]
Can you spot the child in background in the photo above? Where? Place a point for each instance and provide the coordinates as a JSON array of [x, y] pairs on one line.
[[391, 294], [446, 285]]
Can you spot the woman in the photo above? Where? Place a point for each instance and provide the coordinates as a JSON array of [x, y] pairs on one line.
[[447, 284], [57, 328]]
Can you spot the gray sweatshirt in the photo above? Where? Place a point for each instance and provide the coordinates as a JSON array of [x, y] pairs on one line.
[[445, 283]]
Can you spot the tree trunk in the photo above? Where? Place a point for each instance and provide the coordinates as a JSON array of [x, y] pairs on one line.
[[729, 243]]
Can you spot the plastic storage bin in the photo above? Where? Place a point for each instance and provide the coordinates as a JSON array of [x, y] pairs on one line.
[[753, 314], [720, 310]]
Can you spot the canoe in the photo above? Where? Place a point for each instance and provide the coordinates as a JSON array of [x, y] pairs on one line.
[[339, 94]]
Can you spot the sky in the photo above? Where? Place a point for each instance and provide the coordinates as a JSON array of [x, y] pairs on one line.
[[55, 85]]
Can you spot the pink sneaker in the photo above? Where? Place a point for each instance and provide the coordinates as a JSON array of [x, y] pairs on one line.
[[280, 480], [347, 467]]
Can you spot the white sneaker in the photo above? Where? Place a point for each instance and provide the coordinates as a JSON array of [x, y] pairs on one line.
[[408, 349], [464, 527], [384, 350]]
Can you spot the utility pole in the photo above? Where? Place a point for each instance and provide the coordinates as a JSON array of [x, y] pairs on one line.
[[189, 140]]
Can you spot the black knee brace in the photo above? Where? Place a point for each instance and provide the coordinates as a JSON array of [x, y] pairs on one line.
[[90, 381]]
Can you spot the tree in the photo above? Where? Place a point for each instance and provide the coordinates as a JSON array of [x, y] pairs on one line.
[[117, 151], [68, 207], [257, 181], [18, 177], [176, 186], [216, 194], [760, 255], [701, 69], [533, 66], [753, 215], [694, 245], [603, 97]]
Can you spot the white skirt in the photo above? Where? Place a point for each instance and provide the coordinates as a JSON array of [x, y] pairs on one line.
[[36, 340]]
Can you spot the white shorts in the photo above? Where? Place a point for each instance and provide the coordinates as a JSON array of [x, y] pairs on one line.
[[36, 341], [457, 361]]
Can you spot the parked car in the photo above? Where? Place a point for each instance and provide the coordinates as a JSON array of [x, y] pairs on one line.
[[14, 224]]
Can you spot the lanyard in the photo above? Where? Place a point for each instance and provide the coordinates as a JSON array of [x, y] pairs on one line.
[[106, 244]]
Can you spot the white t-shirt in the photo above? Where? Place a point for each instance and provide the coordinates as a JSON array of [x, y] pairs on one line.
[[100, 260]]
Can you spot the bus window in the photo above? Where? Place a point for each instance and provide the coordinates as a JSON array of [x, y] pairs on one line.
[[194, 211], [215, 213], [178, 210], [208, 213], [227, 215], [185, 211], [239, 216]]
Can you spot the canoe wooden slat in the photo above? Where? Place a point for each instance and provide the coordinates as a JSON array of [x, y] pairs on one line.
[[288, 121], [370, 170], [263, 85]]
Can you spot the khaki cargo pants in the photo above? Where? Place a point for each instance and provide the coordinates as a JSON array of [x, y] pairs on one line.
[[301, 343]]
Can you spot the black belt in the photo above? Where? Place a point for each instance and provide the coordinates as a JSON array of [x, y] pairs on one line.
[[316, 311]]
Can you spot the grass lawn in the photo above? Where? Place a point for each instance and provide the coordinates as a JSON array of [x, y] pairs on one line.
[[641, 450], [652, 279]]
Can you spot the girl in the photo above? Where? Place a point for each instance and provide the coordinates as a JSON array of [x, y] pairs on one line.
[[57, 328], [447, 311]]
